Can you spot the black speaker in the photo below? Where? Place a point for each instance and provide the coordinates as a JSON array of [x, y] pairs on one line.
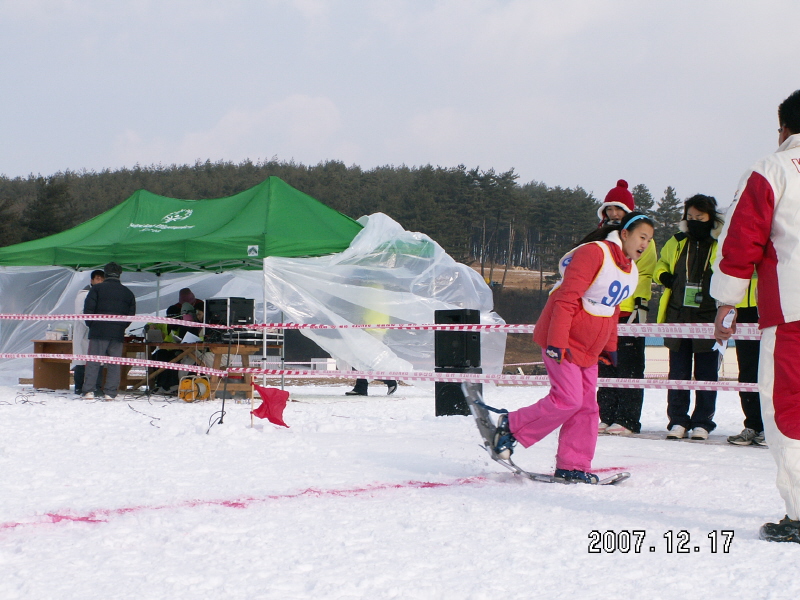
[[242, 311], [229, 311], [449, 395], [460, 349]]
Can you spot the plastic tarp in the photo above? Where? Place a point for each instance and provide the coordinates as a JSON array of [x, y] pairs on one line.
[[387, 275], [52, 290]]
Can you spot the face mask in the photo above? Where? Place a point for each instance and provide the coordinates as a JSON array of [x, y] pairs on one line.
[[699, 230]]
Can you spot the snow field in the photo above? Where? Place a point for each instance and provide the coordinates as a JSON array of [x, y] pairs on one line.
[[99, 503]]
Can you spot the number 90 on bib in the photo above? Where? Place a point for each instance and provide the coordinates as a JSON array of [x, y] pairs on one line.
[[616, 294]]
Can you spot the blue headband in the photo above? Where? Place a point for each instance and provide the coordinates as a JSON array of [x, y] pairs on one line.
[[634, 219]]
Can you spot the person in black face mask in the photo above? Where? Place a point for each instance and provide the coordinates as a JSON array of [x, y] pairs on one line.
[[684, 270], [699, 230]]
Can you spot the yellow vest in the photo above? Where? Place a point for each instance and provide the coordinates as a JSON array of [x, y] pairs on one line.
[[646, 264]]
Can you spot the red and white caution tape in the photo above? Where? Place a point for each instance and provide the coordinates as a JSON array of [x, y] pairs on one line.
[[744, 331], [125, 318], [534, 380], [121, 360]]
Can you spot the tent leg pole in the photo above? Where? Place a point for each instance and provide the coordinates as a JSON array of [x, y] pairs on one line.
[[264, 351], [158, 292]]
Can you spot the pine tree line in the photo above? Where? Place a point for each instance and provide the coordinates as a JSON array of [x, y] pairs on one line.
[[476, 215]]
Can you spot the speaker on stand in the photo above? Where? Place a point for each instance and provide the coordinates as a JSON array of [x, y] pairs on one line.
[[456, 352]]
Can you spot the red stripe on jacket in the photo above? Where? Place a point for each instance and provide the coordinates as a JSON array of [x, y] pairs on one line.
[[786, 386], [747, 245]]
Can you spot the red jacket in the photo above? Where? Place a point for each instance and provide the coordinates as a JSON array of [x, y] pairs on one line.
[[564, 323]]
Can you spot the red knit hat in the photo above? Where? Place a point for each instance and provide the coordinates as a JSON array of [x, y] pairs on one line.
[[618, 196]]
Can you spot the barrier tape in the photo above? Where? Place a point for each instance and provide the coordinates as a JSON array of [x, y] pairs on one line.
[[676, 330], [121, 360], [744, 331], [125, 318], [534, 380]]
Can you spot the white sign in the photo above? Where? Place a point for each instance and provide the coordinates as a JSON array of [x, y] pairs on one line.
[[178, 215]]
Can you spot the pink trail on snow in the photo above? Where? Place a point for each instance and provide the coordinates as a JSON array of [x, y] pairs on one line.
[[103, 515]]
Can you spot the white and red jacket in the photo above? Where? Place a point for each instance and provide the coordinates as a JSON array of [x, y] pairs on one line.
[[762, 232]]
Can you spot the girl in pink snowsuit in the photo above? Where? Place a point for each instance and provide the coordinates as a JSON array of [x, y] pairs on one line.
[[578, 327]]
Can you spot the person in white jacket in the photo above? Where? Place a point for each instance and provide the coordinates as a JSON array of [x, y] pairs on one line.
[[80, 335], [762, 232]]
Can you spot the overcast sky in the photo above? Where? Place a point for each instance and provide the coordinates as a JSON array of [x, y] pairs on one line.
[[567, 93]]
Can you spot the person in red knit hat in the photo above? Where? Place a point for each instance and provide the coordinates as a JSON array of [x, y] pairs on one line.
[[620, 408], [618, 202], [578, 327]]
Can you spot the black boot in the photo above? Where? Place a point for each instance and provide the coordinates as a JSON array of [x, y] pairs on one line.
[[576, 476], [360, 389], [786, 530], [504, 440]]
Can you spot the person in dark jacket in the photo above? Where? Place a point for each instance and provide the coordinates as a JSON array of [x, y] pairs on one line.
[[684, 270], [106, 337], [80, 336], [188, 308], [191, 310]]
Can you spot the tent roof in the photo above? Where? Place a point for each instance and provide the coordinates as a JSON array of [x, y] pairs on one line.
[[155, 233]]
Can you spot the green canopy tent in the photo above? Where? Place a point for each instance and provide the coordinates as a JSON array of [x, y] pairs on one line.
[[157, 234]]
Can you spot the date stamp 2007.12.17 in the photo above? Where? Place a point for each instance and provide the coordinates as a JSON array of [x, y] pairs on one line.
[[670, 542]]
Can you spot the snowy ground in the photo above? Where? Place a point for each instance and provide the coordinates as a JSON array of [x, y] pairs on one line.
[[101, 501]]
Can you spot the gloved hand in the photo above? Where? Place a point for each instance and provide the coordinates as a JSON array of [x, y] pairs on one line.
[[640, 310], [666, 279], [555, 353], [608, 358]]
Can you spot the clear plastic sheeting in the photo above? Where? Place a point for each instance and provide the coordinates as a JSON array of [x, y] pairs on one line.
[[387, 275], [52, 290]]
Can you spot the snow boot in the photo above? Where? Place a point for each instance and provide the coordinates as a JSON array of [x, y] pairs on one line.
[[786, 530], [504, 440], [575, 476]]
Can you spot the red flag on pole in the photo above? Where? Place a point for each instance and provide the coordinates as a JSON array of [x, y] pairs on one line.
[[273, 401]]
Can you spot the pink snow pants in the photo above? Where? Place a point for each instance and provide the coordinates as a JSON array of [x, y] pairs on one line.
[[571, 404]]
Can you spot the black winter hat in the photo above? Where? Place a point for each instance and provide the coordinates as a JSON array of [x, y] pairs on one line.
[[112, 269]]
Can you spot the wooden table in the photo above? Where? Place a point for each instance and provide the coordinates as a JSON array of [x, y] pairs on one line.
[[53, 373], [195, 351], [220, 350]]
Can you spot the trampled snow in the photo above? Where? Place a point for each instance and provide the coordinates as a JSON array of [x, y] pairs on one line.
[[367, 498]]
